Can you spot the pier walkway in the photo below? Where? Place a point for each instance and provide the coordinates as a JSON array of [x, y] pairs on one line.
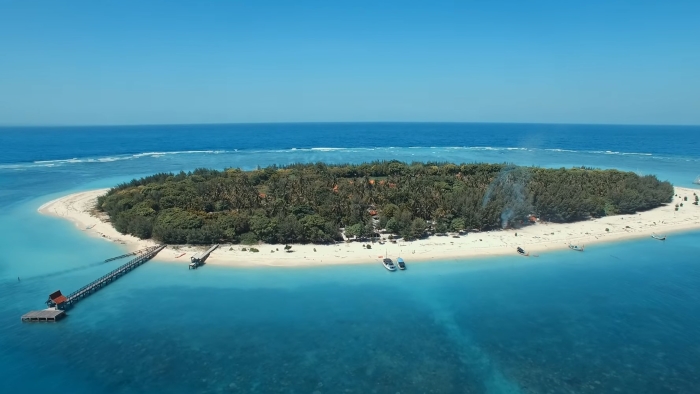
[[64, 302], [135, 253], [199, 258]]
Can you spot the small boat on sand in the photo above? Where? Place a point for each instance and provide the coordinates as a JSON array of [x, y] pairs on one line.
[[576, 247], [522, 252], [659, 237], [89, 227], [180, 255], [388, 264], [402, 265]]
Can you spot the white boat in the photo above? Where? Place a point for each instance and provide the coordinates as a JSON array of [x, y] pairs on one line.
[[402, 265], [388, 264], [659, 237], [576, 247]]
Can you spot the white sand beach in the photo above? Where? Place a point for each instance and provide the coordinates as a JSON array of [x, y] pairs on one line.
[[537, 239]]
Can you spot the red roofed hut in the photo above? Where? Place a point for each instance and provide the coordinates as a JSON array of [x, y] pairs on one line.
[[57, 299]]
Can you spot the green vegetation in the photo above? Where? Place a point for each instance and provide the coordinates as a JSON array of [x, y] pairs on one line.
[[310, 202]]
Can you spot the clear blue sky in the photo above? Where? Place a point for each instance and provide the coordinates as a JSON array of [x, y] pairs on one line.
[[143, 62]]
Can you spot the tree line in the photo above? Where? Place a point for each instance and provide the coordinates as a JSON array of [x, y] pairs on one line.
[[304, 203]]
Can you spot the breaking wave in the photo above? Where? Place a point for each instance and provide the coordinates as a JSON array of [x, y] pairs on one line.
[[322, 150]]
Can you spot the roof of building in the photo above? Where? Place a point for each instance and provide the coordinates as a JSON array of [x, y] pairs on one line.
[[57, 297]]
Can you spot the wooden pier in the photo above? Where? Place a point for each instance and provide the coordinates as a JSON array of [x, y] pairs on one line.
[[199, 258], [135, 253], [103, 281], [60, 302]]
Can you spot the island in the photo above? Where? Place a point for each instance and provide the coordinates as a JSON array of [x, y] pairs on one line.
[[307, 214]]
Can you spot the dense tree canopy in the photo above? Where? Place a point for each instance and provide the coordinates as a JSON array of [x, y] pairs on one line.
[[311, 202]]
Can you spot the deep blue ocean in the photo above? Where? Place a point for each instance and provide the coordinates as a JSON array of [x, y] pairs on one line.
[[619, 318]]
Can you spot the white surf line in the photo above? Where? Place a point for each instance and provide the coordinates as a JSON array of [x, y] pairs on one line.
[[469, 353]]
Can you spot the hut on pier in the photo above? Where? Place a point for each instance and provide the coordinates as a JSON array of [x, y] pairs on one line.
[[57, 300]]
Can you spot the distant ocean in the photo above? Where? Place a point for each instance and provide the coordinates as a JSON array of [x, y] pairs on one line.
[[617, 318]]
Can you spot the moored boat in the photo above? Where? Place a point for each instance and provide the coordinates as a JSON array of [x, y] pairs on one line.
[[522, 252], [388, 264], [659, 237], [576, 247], [402, 265]]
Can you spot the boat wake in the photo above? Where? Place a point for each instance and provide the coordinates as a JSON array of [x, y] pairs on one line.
[[57, 273]]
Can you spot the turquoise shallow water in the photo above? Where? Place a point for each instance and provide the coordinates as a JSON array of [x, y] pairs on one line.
[[617, 318]]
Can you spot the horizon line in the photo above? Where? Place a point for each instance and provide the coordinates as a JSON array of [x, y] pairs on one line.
[[106, 125]]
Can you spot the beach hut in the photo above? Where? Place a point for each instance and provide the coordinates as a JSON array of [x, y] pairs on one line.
[[57, 299]]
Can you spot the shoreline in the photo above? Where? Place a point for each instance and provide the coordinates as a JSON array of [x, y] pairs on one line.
[[536, 239]]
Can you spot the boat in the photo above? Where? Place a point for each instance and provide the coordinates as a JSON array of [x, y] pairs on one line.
[[522, 251], [180, 255], [576, 247], [659, 237], [89, 227], [402, 265], [388, 264]]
